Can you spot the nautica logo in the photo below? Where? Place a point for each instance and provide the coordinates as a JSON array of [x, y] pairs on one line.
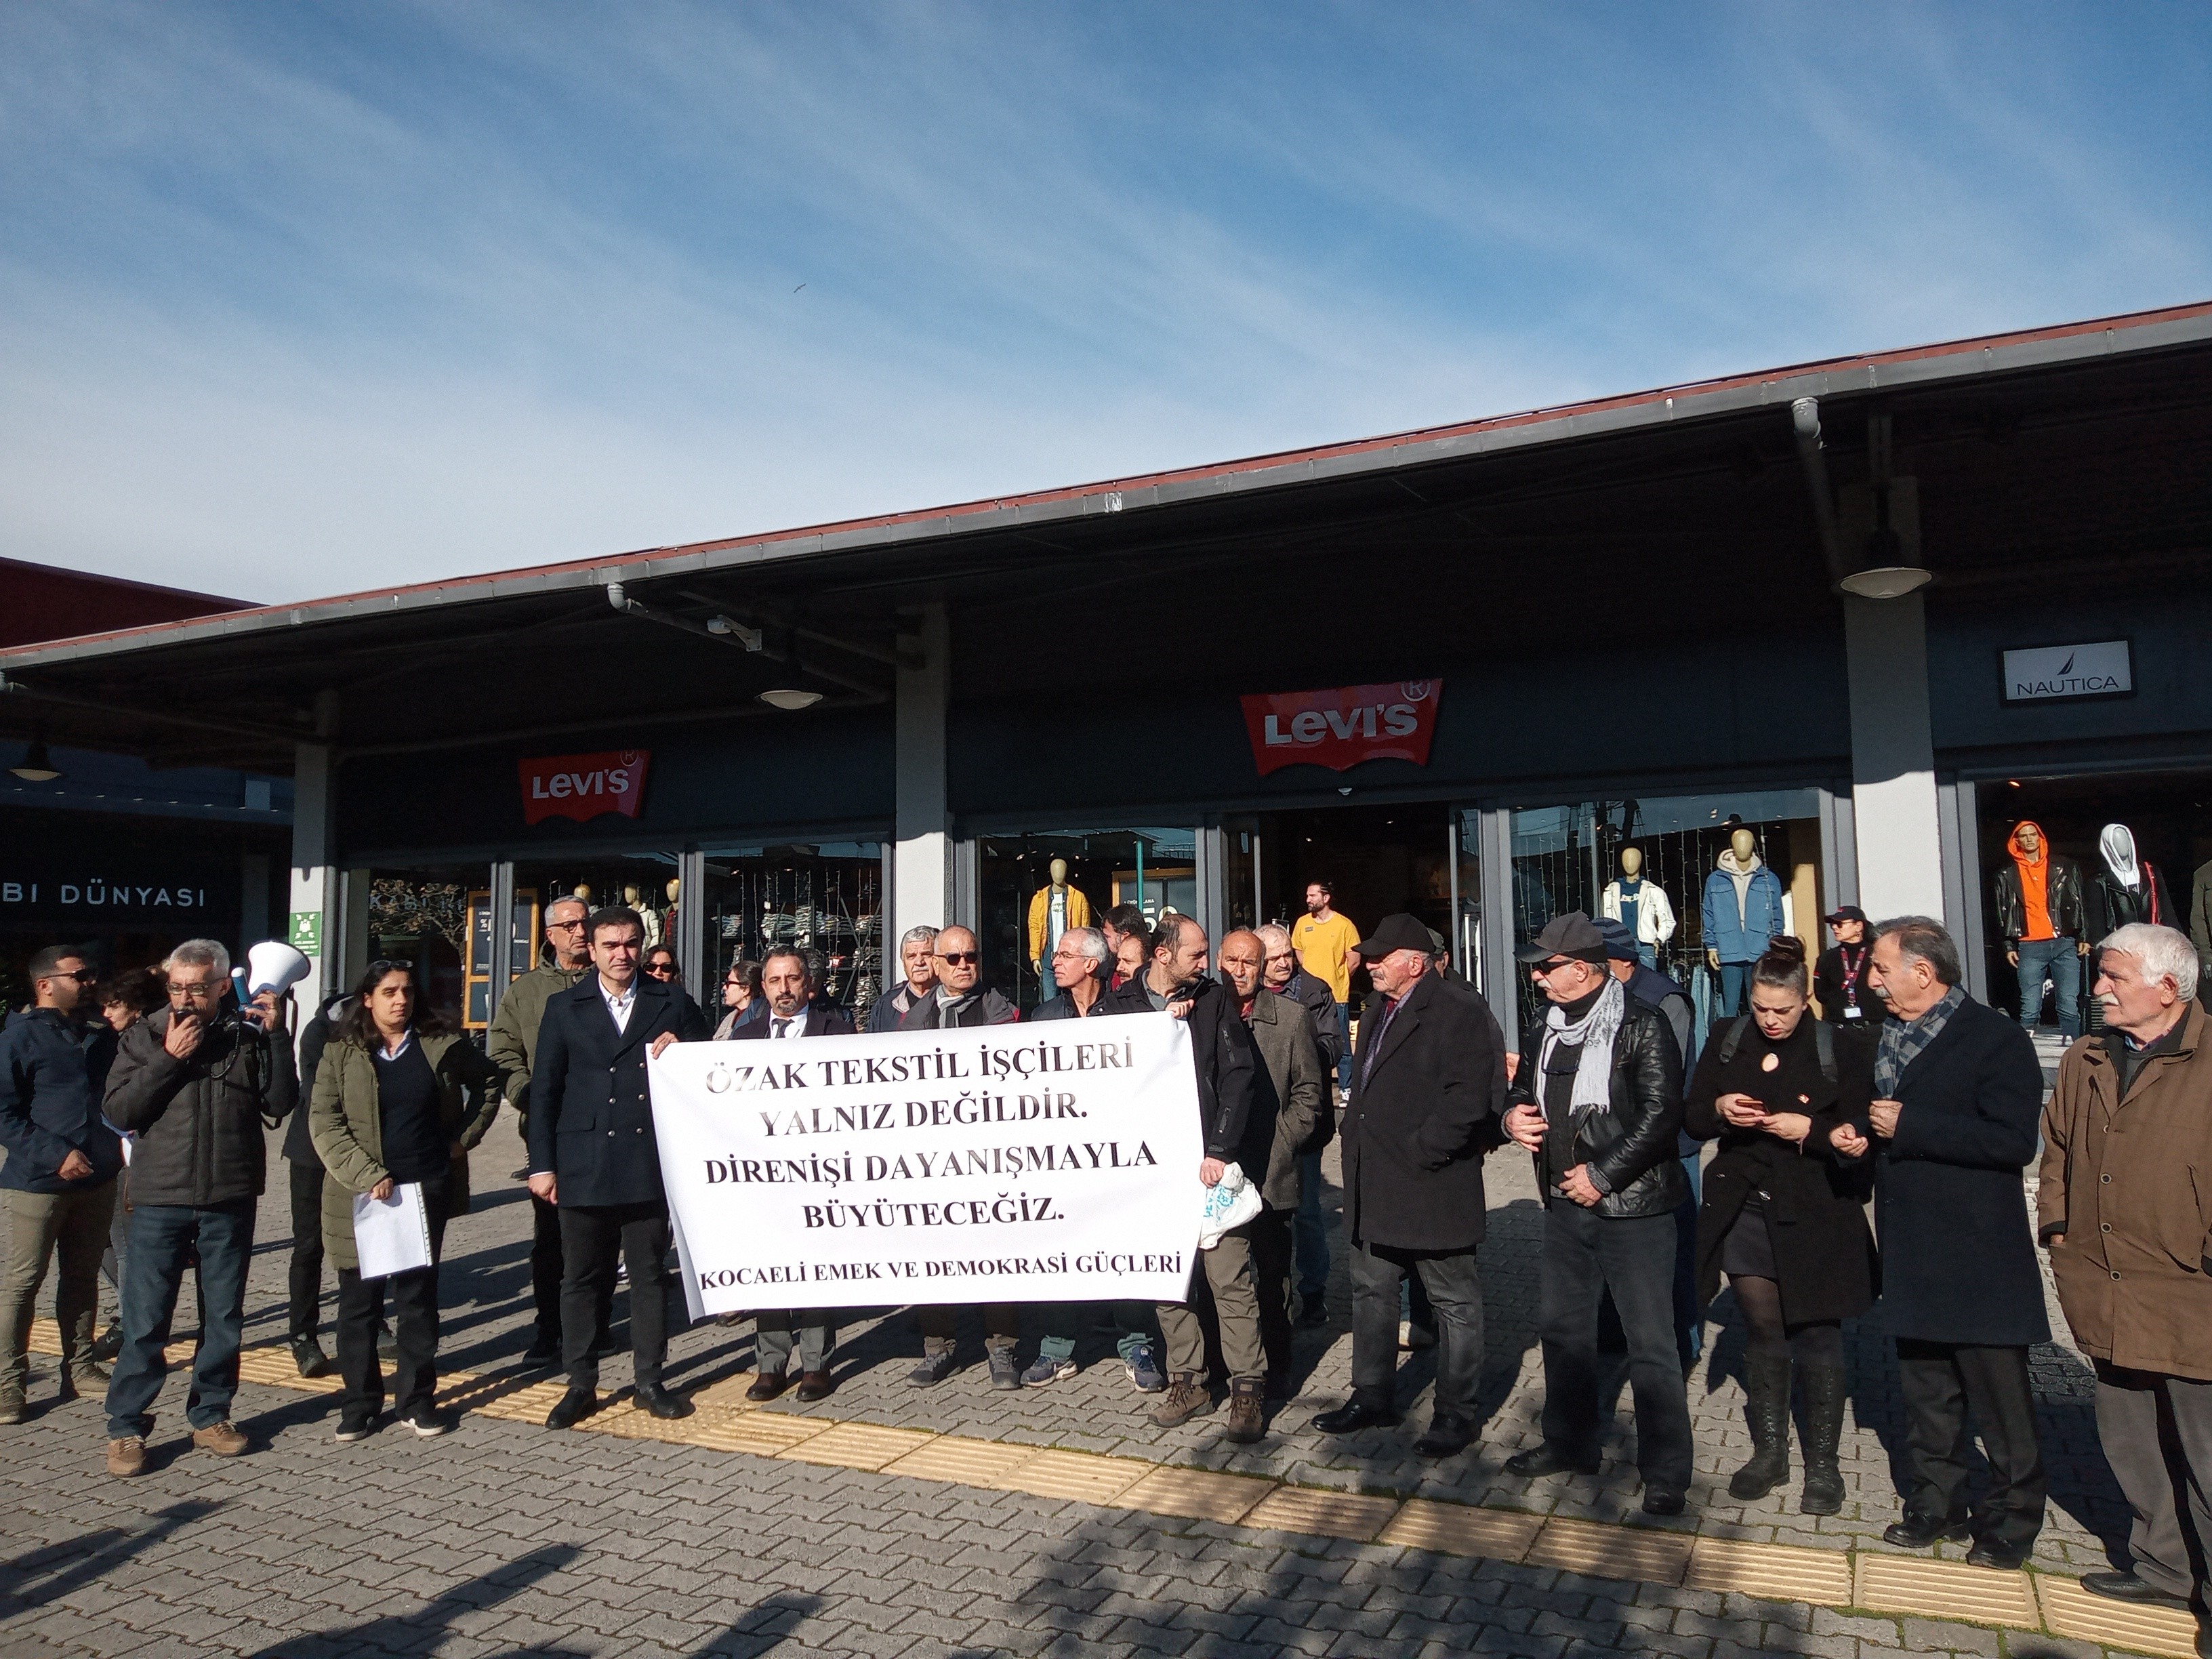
[[2065, 668]]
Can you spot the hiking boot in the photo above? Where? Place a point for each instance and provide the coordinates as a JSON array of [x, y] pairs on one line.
[[308, 1357], [1248, 1420], [126, 1456], [933, 1370], [1187, 1397], [224, 1439], [11, 1409], [1005, 1370]]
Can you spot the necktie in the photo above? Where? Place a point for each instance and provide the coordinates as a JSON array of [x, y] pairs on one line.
[[782, 1028]]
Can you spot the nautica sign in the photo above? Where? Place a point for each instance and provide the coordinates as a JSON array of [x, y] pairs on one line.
[[2044, 672]]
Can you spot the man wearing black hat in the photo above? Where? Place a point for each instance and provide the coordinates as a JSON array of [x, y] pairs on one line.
[[1428, 1081], [1598, 1100], [1839, 977]]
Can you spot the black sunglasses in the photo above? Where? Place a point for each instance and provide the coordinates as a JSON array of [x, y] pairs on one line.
[[957, 958]]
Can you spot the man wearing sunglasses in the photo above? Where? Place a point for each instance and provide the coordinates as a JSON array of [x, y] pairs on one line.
[[959, 1000], [57, 1187], [512, 1042]]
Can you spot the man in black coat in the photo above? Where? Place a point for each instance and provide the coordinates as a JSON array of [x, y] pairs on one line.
[[593, 1154], [1959, 1093], [1599, 1102], [1428, 1082], [788, 987], [1287, 976]]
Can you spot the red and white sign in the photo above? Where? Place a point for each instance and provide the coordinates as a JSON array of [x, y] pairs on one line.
[[582, 787], [1340, 728]]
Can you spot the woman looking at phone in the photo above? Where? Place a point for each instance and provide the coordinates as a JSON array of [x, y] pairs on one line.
[[1783, 1217]]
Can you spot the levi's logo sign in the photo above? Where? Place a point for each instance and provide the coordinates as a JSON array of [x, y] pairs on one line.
[[582, 787], [1342, 727]]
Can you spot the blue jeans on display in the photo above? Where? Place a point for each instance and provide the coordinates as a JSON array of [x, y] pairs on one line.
[[1648, 954], [162, 1240], [1309, 1230], [1344, 1046], [2061, 962], [1736, 978]]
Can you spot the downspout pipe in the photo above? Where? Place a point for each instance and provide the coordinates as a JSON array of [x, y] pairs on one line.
[[1805, 420]]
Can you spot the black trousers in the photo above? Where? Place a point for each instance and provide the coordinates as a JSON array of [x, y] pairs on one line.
[[306, 1313], [1272, 1250], [545, 1273], [414, 1300], [1586, 1254], [1455, 1289], [1942, 1382], [592, 1237]]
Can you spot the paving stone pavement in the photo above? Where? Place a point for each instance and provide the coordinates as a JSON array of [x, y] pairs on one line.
[[500, 1540]]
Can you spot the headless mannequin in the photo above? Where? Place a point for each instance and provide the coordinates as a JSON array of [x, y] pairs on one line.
[[634, 896], [1054, 909], [1744, 905], [1745, 846], [1642, 906]]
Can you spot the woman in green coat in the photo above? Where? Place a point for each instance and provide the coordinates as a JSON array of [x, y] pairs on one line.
[[398, 1098]]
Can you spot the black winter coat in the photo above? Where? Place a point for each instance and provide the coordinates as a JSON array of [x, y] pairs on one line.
[[1633, 1142], [1814, 1202], [820, 1022], [1828, 990], [1958, 1256], [1221, 1054], [199, 1120], [591, 1115], [1425, 1099]]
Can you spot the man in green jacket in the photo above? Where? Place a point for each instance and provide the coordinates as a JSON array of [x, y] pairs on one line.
[[512, 1043]]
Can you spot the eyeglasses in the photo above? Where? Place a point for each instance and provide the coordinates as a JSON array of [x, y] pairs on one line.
[[959, 958], [208, 989], [575, 927]]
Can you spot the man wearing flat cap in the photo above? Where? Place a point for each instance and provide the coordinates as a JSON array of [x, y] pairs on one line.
[[1428, 1082], [1598, 1099]]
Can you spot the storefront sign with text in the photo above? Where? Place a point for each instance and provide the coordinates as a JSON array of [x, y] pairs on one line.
[[584, 786], [2101, 668], [1342, 728]]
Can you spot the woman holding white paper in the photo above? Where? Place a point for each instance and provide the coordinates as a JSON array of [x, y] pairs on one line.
[[399, 1099]]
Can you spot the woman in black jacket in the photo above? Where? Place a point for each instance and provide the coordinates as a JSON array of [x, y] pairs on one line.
[[1783, 1217]]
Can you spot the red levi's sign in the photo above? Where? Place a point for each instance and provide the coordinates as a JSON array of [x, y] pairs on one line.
[[1340, 728], [582, 787]]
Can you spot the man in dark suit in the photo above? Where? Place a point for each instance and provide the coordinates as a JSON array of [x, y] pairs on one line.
[[1428, 1083], [1960, 1091], [788, 987], [593, 1156]]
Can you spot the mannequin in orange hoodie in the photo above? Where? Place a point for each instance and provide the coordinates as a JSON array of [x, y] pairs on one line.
[[2041, 914]]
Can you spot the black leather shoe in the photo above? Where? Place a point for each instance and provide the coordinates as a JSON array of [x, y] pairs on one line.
[[572, 1408], [1662, 1500], [545, 1351], [1313, 1312], [817, 1385], [1997, 1554], [767, 1386], [651, 1397], [1920, 1532], [1544, 1460], [2126, 1587], [1356, 1414], [1447, 1437]]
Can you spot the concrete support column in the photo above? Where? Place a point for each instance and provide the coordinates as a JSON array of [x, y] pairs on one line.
[[1895, 814], [315, 904], [922, 852]]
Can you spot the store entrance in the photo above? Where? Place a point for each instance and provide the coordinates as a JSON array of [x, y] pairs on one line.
[[1378, 860], [2167, 817]]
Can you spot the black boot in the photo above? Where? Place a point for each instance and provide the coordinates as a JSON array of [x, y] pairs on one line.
[[1825, 1391], [1766, 1380]]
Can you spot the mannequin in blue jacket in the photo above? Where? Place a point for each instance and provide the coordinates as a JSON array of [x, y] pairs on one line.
[[1742, 911]]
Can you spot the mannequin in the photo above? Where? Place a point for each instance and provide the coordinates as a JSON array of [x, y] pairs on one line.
[[634, 898], [2039, 914], [581, 890], [2129, 888], [1054, 909], [1642, 905], [1744, 907], [674, 889]]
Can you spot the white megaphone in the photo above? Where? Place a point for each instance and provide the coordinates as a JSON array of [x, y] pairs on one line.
[[273, 965]]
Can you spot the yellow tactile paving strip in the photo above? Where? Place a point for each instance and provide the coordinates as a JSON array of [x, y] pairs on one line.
[[1914, 1585]]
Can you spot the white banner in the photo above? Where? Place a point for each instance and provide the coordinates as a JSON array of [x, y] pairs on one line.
[[1051, 1163]]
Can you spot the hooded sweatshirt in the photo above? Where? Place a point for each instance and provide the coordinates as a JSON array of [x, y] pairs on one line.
[[2034, 881]]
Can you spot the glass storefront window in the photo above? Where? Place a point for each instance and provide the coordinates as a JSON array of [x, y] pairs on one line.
[[1155, 869], [646, 882], [824, 898], [424, 917], [1566, 858], [1465, 933]]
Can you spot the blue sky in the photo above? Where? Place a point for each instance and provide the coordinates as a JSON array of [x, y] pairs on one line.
[[301, 299]]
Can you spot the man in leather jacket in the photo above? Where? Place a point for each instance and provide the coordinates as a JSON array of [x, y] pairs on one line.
[[1598, 1100]]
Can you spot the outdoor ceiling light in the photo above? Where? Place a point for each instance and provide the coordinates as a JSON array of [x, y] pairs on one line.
[[36, 766], [790, 697], [1886, 581]]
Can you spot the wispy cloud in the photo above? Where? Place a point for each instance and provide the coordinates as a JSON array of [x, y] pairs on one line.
[[296, 300]]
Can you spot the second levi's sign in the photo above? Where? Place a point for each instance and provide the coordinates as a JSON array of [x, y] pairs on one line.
[[1342, 727], [583, 786]]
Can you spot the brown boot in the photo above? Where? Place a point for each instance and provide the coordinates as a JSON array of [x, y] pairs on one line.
[[1187, 1397], [1248, 1420], [126, 1457], [221, 1438], [767, 1386]]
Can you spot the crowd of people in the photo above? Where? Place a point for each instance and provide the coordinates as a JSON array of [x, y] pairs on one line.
[[1895, 1090]]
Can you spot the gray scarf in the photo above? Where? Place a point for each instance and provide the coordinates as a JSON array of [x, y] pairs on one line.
[[1593, 1033]]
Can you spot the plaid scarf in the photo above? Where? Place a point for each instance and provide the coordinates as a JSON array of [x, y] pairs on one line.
[[1903, 1040]]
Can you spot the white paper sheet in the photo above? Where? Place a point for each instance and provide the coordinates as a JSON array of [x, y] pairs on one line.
[[393, 1236]]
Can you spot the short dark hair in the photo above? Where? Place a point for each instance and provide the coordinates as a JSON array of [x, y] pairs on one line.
[[47, 963], [1128, 918], [613, 915], [777, 952], [134, 988], [1170, 934], [1930, 941], [1329, 891], [748, 972]]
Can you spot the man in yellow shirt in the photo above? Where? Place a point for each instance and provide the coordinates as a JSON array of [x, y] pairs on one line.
[[1327, 946]]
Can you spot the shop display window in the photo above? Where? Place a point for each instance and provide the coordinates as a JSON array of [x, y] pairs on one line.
[[646, 882], [1155, 869], [825, 899], [425, 916], [1570, 857]]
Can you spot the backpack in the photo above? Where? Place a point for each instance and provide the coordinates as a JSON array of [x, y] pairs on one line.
[[1824, 1043]]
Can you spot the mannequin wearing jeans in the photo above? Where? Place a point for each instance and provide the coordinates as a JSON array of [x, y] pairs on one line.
[[1744, 907], [2040, 913]]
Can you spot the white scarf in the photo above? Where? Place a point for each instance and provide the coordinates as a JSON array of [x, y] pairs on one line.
[[2118, 844], [1593, 1033]]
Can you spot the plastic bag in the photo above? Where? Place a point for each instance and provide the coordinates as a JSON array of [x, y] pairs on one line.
[[1231, 1203]]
